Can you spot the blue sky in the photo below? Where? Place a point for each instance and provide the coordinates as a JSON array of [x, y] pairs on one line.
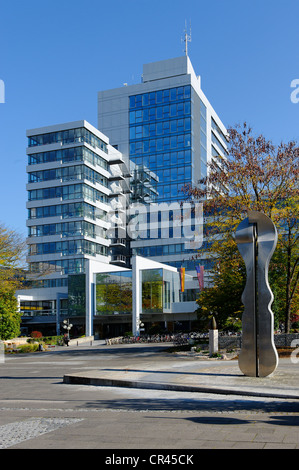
[[56, 55]]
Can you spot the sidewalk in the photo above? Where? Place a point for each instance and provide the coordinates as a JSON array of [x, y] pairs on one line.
[[208, 376]]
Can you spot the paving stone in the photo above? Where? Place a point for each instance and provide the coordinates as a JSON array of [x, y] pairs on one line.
[[14, 433]]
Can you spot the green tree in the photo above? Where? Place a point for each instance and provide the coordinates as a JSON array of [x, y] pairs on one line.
[[256, 175], [10, 318], [12, 250], [223, 299]]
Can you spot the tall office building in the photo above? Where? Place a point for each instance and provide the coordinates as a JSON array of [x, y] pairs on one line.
[[82, 191], [72, 175], [166, 124]]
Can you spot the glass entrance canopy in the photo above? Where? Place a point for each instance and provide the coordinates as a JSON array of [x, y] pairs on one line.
[[159, 288]]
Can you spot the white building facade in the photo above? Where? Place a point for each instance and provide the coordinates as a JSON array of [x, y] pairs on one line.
[[71, 172]]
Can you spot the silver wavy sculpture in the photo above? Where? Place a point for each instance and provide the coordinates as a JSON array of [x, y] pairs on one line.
[[256, 238]]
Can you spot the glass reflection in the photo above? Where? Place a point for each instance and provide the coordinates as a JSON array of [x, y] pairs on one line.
[[114, 293], [152, 291]]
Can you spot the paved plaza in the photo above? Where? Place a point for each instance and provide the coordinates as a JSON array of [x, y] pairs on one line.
[[166, 402]]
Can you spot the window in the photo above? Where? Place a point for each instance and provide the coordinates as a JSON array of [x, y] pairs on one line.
[[164, 137], [114, 293], [67, 137]]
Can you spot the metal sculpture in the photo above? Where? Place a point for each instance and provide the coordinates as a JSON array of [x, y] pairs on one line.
[[256, 237]]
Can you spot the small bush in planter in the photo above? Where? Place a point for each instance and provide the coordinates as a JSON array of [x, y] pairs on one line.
[[36, 334]]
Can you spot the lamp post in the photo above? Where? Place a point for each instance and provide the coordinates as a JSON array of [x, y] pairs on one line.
[[67, 326]]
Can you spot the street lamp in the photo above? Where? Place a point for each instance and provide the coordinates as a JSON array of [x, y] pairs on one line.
[[67, 326]]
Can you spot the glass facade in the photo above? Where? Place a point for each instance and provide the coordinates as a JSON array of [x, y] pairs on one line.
[[46, 283], [68, 155], [68, 173], [69, 136], [168, 134], [68, 248], [74, 172], [152, 291], [71, 191], [114, 293], [37, 307], [67, 229], [67, 211], [67, 266], [76, 295], [159, 288], [160, 137]]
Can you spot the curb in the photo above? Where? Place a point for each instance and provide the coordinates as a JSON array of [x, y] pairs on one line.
[[99, 381]]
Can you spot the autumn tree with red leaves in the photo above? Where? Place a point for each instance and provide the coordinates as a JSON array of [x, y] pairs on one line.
[[255, 175]]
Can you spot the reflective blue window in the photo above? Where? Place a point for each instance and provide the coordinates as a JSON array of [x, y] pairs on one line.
[[146, 132], [159, 113], [159, 97], [187, 91], [166, 125], [152, 98], [160, 137], [166, 95], [159, 128], [138, 101], [187, 123], [132, 117], [166, 111], [173, 110], [173, 94], [187, 108], [138, 115], [152, 114], [166, 143], [159, 146], [132, 101], [180, 92], [188, 173], [153, 160], [145, 99]]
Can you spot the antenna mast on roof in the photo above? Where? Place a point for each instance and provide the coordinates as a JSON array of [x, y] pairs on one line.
[[187, 37]]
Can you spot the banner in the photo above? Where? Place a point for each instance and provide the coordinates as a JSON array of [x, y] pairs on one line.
[[182, 279], [200, 273]]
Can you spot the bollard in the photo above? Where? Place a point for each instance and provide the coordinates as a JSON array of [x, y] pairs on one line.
[[213, 337]]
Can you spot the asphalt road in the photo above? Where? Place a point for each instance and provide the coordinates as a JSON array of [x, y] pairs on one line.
[[39, 411]]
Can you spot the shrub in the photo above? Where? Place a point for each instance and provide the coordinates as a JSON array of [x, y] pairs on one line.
[[27, 348], [56, 340], [216, 354], [36, 334]]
